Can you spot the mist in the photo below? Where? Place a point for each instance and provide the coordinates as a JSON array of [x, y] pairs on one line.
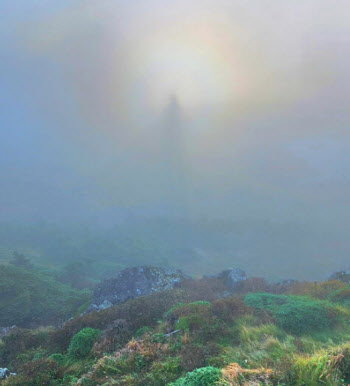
[[194, 134]]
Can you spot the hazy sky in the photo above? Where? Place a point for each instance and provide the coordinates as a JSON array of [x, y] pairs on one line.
[[260, 89]]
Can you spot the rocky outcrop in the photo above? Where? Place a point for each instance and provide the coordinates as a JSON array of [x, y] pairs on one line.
[[4, 373], [133, 282], [233, 278], [6, 331]]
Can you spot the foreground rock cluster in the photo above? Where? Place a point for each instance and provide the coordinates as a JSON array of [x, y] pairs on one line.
[[132, 283]]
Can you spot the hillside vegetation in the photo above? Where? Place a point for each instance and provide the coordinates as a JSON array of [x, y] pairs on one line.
[[198, 333], [30, 297]]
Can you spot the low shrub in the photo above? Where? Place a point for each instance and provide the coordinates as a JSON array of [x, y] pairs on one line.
[[59, 358], [161, 373], [341, 295], [188, 308], [302, 316], [203, 289], [141, 331], [17, 342], [205, 376], [41, 372], [82, 342], [297, 314], [193, 356], [195, 316], [229, 309], [112, 337], [149, 310], [317, 290]]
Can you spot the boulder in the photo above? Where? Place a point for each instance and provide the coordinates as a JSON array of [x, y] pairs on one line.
[[6, 330], [133, 282], [4, 373], [233, 278]]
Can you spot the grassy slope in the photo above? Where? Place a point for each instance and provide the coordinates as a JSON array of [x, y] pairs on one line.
[[228, 341]]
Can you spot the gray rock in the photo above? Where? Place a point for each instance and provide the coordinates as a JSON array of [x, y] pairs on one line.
[[233, 278], [6, 331], [133, 282], [4, 373]]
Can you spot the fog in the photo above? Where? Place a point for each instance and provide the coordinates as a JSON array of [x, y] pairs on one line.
[[214, 133]]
